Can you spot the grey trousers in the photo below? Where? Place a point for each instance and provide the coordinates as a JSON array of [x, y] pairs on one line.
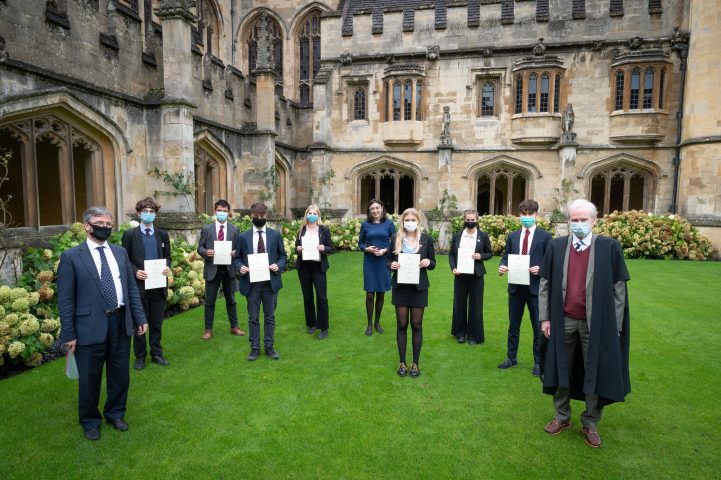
[[576, 330], [261, 292]]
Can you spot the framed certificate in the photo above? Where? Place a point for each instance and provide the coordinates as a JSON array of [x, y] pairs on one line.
[[410, 270]]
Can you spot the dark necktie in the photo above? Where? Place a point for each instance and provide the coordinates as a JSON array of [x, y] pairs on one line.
[[147, 232], [524, 248], [221, 234], [107, 285], [261, 243], [579, 246]]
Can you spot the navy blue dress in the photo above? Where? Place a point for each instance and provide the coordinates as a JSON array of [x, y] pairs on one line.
[[376, 277]]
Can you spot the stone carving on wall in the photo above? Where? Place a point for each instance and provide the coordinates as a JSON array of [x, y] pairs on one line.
[[539, 48], [265, 60], [446, 126], [345, 58], [567, 120], [3, 53], [433, 52]]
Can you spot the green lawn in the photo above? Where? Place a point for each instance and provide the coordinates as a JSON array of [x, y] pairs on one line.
[[336, 408]]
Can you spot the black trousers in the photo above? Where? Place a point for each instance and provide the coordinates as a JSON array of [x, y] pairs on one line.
[[311, 277], [516, 304], [211, 295], [261, 292], [114, 354], [154, 308], [468, 307]]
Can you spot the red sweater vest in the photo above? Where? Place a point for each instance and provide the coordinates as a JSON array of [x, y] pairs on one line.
[[575, 305]]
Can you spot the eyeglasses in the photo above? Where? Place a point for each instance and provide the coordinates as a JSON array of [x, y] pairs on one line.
[[102, 225]]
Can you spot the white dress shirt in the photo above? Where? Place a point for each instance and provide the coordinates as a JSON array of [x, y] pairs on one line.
[[532, 231], [225, 229], [112, 263], [468, 240], [255, 238], [585, 243]]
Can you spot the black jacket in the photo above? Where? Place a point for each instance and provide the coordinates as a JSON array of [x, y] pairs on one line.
[[133, 243], [426, 250], [483, 246], [324, 238]]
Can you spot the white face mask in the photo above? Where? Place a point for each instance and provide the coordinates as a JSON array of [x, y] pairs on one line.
[[410, 226]]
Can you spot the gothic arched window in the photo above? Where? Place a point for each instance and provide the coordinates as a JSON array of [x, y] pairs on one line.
[[309, 45], [622, 188], [394, 187], [648, 88], [635, 89], [618, 100], [359, 104], [488, 100], [500, 190]]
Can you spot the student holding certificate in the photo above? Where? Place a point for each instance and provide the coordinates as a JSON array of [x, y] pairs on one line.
[[261, 261], [528, 244], [469, 248], [219, 272], [313, 245], [148, 245], [410, 255]]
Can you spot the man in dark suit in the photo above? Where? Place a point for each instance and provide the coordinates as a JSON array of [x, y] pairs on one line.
[[146, 242], [583, 308], [217, 275], [100, 310], [261, 239], [532, 241]]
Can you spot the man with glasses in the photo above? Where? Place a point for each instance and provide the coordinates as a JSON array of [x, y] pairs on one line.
[[147, 242], [100, 310]]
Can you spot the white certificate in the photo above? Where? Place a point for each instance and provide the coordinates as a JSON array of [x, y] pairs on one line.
[[518, 266], [410, 270], [310, 247], [258, 266], [154, 269], [222, 253], [466, 263]]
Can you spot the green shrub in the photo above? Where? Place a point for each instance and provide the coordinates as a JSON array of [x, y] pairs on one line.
[[498, 227]]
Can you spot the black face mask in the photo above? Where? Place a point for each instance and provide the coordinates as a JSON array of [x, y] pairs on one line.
[[470, 225], [101, 233], [259, 222]]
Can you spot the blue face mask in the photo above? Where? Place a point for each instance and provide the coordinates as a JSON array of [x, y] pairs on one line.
[[147, 217], [581, 229], [221, 216], [312, 217], [528, 221]]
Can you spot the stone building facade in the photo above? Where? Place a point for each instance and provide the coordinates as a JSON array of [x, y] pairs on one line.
[[293, 102]]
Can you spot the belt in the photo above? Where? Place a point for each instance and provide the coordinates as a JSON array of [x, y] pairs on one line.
[[115, 310]]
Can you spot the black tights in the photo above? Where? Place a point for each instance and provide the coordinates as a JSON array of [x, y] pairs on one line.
[[416, 318], [379, 298]]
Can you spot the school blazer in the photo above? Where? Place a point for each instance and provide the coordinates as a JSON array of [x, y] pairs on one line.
[[426, 250], [483, 246], [324, 238]]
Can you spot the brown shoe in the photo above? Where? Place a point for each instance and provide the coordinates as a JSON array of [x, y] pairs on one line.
[[592, 437], [207, 335], [237, 331], [554, 427]]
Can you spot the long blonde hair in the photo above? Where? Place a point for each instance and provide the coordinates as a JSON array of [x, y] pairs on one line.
[[401, 231], [305, 218]]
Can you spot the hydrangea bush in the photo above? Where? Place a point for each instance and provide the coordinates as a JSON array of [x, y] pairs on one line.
[[498, 227], [645, 235]]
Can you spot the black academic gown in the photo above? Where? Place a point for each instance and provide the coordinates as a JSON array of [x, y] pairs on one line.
[[605, 372]]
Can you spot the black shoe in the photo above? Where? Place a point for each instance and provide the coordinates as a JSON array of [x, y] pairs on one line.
[[139, 363], [92, 434], [402, 369], [462, 339], [369, 331], [311, 330], [271, 353], [415, 373], [323, 334], [508, 363], [254, 354], [536, 372], [119, 424], [161, 360], [379, 329]]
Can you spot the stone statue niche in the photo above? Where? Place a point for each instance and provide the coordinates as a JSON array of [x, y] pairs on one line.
[[567, 120], [445, 126]]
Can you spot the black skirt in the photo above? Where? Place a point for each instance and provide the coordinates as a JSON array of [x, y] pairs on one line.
[[407, 296]]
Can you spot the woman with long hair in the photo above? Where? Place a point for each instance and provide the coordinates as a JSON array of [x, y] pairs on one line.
[[374, 240], [311, 271], [410, 300]]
